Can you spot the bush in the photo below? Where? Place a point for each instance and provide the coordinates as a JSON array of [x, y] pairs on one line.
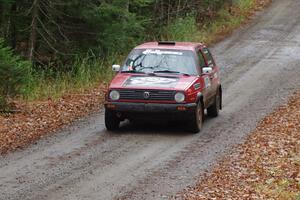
[[182, 29], [14, 75]]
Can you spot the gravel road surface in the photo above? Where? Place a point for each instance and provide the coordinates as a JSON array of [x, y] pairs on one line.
[[260, 67]]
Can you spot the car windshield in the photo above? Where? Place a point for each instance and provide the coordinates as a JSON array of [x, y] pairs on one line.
[[160, 61]]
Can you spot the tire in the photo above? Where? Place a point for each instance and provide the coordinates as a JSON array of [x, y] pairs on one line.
[[196, 122], [112, 122], [213, 110]]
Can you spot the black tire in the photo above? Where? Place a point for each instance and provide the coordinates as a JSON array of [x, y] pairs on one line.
[[196, 122], [112, 122], [213, 110]]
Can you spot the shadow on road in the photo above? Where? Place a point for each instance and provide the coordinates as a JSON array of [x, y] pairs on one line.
[[157, 127]]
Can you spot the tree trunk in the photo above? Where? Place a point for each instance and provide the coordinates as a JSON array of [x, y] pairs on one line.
[[13, 34], [1, 19], [1, 11], [33, 32], [127, 5], [178, 8], [169, 12]]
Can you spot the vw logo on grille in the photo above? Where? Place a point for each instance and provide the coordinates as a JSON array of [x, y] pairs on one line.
[[146, 95]]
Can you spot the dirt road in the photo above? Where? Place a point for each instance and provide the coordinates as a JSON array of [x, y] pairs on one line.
[[260, 68]]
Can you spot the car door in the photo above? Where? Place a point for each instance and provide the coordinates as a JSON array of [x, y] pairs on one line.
[[213, 74], [204, 79]]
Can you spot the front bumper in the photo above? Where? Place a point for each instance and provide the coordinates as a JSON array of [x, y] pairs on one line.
[[152, 110], [149, 107]]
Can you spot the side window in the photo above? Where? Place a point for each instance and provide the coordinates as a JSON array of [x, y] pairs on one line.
[[210, 60], [201, 59]]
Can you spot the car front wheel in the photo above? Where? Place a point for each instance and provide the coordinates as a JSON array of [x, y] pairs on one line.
[[112, 122], [196, 122]]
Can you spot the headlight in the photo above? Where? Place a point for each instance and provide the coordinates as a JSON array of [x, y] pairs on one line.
[[114, 95], [179, 97]]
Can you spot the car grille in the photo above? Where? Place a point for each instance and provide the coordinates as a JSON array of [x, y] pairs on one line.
[[154, 95]]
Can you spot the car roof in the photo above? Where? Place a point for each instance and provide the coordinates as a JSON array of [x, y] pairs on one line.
[[170, 45]]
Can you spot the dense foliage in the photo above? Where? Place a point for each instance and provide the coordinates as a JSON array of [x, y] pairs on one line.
[[14, 75], [47, 31]]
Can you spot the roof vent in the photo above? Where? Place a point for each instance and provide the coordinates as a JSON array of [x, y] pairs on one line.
[[166, 43]]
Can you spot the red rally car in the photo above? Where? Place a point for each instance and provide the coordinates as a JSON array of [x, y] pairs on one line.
[[166, 81]]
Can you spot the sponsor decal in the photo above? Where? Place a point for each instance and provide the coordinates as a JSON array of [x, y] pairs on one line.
[[197, 86], [151, 81], [159, 52]]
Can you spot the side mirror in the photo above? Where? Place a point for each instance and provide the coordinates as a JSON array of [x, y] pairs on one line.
[[207, 70], [116, 68]]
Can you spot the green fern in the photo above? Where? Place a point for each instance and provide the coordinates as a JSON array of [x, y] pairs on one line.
[[14, 75]]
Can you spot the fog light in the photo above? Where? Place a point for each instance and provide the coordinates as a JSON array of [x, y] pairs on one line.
[[111, 106]]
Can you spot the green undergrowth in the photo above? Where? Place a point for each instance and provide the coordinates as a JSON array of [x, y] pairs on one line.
[[85, 73], [210, 30]]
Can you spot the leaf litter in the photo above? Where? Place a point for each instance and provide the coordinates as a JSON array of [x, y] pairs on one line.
[[37, 119]]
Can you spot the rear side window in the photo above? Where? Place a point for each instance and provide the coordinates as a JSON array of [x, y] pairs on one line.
[[201, 59], [210, 60]]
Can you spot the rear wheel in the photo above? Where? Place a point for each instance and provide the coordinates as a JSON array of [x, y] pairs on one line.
[[112, 122], [196, 123], [213, 110]]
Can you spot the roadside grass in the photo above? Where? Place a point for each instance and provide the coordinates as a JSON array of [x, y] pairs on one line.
[[88, 72], [212, 30], [85, 74]]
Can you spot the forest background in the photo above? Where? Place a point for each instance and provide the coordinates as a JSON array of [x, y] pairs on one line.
[[50, 47]]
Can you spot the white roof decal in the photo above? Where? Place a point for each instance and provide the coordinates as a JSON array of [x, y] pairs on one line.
[[159, 52]]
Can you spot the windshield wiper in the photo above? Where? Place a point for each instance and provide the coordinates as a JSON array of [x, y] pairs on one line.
[[142, 56], [171, 72]]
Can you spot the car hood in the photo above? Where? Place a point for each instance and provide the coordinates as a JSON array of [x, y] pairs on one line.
[[135, 81]]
